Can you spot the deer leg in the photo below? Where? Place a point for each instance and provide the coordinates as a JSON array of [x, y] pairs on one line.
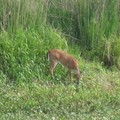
[[52, 66]]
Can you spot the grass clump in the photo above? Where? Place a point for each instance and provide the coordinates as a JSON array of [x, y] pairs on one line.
[[23, 55]]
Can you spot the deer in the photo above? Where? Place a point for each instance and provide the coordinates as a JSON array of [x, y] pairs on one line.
[[56, 56]]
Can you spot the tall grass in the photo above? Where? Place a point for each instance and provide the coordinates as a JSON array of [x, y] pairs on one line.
[[91, 24], [25, 13], [98, 23], [30, 27], [23, 56]]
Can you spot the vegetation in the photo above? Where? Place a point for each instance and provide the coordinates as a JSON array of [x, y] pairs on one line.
[[87, 29]]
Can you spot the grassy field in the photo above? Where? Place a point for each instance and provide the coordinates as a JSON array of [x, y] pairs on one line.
[[88, 30], [98, 98]]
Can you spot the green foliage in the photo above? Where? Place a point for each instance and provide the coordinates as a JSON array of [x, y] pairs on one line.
[[98, 98], [91, 22], [23, 55], [88, 23], [28, 29], [23, 13]]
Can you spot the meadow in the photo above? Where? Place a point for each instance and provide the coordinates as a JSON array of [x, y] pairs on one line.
[[88, 30]]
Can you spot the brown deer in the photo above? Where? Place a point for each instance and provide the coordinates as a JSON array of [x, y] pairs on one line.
[[58, 56]]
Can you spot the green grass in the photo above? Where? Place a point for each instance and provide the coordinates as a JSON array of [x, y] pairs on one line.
[[93, 25], [88, 30], [98, 97], [24, 55], [31, 94]]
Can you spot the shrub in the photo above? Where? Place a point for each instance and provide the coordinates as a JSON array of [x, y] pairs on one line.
[[23, 55]]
